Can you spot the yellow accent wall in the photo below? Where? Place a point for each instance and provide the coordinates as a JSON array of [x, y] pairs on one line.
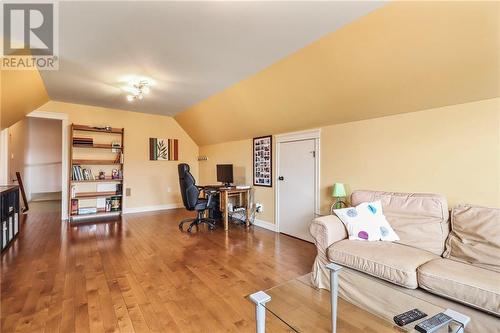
[[20, 93], [404, 57], [453, 150], [149, 180]]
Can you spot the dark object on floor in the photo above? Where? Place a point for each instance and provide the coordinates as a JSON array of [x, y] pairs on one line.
[[191, 198], [23, 194]]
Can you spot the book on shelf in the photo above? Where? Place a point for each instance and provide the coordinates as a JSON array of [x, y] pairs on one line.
[[83, 141], [80, 173], [116, 147], [87, 210], [119, 188], [116, 204], [119, 158], [107, 206], [74, 206]]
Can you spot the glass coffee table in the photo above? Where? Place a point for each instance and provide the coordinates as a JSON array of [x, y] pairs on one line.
[[300, 307]]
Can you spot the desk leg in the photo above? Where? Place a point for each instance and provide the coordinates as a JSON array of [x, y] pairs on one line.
[[226, 213], [247, 194]]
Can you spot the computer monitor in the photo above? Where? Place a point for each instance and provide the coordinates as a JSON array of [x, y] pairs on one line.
[[225, 174]]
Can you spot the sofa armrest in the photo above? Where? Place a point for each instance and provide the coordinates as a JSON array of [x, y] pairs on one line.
[[327, 230]]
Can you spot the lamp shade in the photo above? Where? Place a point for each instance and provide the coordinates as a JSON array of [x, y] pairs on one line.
[[338, 190]]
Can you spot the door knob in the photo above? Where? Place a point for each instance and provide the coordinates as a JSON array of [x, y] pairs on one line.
[[281, 178]]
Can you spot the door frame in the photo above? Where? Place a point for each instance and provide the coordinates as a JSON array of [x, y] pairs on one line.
[[314, 134], [64, 154], [4, 157]]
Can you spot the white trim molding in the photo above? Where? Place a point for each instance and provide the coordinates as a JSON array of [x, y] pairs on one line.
[[4, 157], [144, 209], [300, 135], [313, 134], [265, 225], [48, 115], [64, 155]]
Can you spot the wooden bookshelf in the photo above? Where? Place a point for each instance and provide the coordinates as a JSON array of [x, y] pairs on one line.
[[95, 146], [95, 156], [86, 128], [97, 181], [95, 162], [95, 195], [100, 215]]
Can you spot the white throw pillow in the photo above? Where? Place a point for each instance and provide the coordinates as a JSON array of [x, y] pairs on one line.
[[366, 221]]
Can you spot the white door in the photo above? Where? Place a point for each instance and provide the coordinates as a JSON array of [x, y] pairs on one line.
[[296, 177]]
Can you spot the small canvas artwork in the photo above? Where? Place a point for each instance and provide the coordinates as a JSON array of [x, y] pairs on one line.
[[163, 149]]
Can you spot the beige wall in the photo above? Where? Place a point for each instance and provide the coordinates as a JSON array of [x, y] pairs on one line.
[[35, 151], [453, 150], [44, 156], [148, 180], [238, 153], [18, 151]]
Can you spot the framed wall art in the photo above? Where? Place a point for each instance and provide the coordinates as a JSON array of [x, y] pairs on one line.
[[163, 149], [263, 161]]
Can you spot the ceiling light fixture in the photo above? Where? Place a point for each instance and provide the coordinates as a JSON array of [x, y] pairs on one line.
[[139, 90]]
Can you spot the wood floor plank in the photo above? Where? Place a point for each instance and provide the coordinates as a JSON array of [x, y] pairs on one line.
[[143, 275]]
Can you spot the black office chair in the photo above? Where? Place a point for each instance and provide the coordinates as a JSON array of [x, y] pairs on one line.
[[192, 201]]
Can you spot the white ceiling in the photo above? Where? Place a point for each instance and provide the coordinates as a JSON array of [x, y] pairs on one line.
[[190, 50]]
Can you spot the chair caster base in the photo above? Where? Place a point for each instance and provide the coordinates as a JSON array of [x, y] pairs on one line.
[[196, 222]]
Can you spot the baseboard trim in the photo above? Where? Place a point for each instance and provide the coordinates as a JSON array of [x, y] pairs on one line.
[[265, 224], [152, 208]]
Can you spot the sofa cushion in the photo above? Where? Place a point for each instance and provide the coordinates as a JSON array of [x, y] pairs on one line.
[[420, 220], [462, 282], [366, 222], [393, 262], [475, 236]]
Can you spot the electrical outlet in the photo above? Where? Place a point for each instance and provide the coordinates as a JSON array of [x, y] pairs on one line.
[[259, 207], [128, 191], [169, 189]]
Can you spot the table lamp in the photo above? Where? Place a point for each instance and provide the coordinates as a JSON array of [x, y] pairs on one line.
[[338, 192]]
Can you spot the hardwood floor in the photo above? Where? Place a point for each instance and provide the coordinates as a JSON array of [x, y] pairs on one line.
[[141, 275], [144, 275]]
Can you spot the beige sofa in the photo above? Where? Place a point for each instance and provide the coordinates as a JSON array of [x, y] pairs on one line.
[[455, 266]]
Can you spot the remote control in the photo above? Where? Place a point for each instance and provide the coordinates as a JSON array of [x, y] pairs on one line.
[[409, 317], [432, 324]]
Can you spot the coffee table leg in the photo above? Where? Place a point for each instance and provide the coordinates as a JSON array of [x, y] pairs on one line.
[[334, 290], [260, 298]]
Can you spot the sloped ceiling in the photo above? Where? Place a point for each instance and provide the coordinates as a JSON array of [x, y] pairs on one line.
[[189, 50], [404, 57], [20, 93]]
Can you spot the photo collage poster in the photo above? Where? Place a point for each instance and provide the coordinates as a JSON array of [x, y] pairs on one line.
[[262, 161]]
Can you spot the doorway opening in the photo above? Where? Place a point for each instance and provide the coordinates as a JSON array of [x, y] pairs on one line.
[[35, 151], [38, 149]]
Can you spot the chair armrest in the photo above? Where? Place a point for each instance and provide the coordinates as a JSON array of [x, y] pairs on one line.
[[327, 230], [209, 193]]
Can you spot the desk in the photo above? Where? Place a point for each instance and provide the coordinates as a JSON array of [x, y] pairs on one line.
[[243, 197]]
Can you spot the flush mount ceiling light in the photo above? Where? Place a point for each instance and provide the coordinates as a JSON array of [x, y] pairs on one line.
[[138, 91]]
